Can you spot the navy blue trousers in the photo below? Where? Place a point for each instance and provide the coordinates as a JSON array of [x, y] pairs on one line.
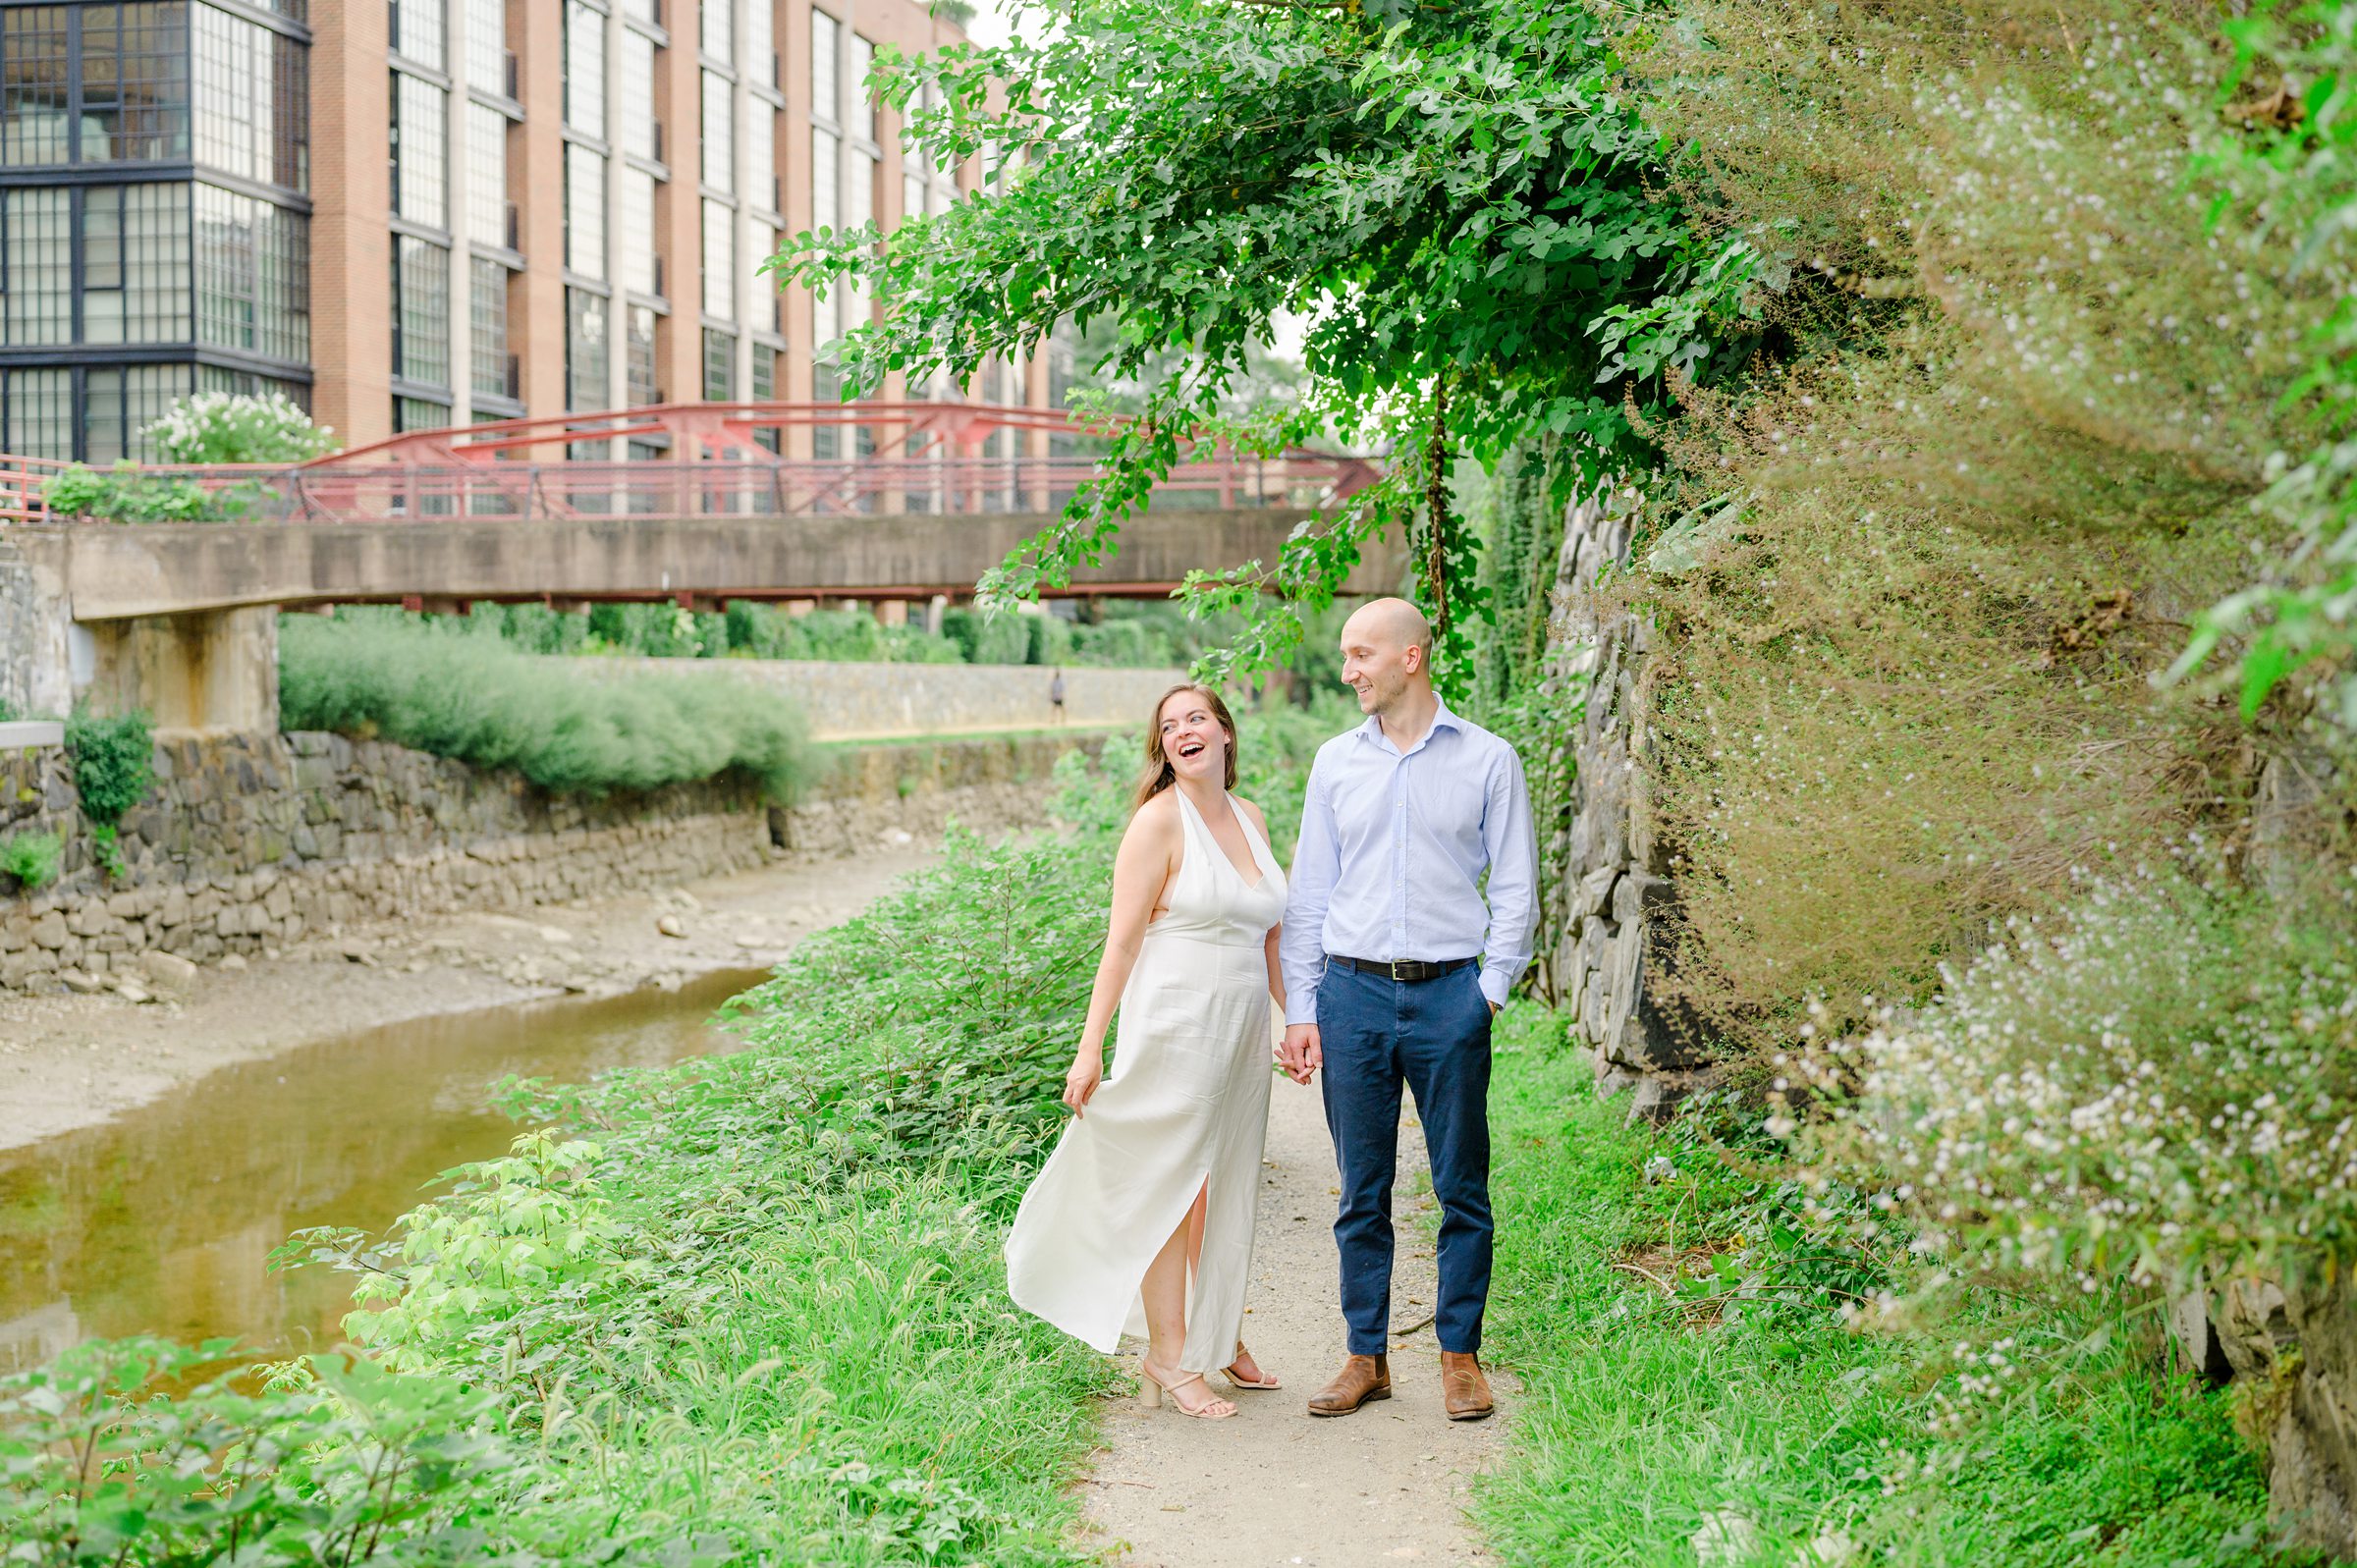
[[1433, 1037]]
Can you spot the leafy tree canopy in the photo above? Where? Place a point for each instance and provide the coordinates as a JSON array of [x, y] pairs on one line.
[[1455, 195]]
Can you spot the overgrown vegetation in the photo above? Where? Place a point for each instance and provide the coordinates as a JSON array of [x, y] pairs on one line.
[[209, 427], [114, 764], [2037, 335], [748, 1309], [1716, 1369], [477, 700]]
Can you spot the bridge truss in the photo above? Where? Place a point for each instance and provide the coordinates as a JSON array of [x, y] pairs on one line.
[[720, 460]]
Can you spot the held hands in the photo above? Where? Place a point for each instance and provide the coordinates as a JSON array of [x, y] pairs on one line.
[[1088, 1070], [1300, 1055]]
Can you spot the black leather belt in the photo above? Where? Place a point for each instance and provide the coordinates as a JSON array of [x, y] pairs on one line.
[[1407, 969]]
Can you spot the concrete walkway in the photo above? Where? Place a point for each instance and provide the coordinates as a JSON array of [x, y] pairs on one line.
[[1271, 1485]]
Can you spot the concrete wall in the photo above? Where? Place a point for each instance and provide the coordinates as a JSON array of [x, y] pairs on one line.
[[115, 571], [861, 701], [250, 840], [35, 664]]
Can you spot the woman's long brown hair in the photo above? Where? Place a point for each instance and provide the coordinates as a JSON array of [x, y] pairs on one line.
[[1160, 775]]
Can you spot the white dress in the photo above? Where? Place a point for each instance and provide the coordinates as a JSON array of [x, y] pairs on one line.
[[1187, 1102]]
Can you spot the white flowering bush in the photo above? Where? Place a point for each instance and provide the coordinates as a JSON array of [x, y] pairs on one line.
[[230, 428], [2163, 1076]]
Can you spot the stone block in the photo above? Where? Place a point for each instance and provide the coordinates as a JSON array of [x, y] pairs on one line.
[[49, 932]]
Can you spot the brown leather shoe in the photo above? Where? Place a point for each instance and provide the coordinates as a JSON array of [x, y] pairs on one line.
[[1463, 1389], [1362, 1378]]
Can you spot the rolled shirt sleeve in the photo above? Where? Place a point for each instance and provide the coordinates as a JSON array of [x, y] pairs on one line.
[[1513, 889], [1317, 861]]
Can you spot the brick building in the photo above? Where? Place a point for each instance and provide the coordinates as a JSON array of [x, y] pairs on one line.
[[412, 213]]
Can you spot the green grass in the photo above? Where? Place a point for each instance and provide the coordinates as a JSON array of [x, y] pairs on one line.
[[1643, 1424], [470, 695]]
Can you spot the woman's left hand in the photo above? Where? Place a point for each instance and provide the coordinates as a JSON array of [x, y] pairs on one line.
[[1081, 1082]]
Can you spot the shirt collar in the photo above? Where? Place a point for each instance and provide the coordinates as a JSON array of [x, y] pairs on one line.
[[1441, 719]]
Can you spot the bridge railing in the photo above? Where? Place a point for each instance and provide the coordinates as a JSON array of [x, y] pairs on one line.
[[944, 459]]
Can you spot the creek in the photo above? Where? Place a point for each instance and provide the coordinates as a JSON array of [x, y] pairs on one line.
[[160, 1221]]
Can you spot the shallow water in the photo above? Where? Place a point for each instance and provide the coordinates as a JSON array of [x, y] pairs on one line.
[[159, 1221]]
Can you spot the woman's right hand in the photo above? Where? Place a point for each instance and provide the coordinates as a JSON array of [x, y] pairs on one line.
[[1088, 1070]]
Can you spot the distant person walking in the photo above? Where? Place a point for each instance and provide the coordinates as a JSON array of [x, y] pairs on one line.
[[1056, 695], [1393, 967]]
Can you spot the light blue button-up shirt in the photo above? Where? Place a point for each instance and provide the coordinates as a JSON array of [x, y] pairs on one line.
[[1392, 851]]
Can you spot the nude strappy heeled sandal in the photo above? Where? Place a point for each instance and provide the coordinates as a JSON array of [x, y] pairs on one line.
[[1229, 1372], [1151, 1389]]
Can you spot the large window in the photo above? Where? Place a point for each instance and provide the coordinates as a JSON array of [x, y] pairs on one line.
[[635, 112], [487, 46], [720, 366], [40, 413], [764, 389], [761, 155], [129, 103], [418, 31], [420, 150], [634, 239], [253, 98], [638, 357], [720, 158], [720, 261], [826, 44], [253, 273], [859, 114], [858, 209], [38, 257], [423, 414], [715, 36], [487, 175], [586, 351], [487, 329], [759, 63], [585, 69], [584, 211], [826, 180], [420, 311], [121, 401], [135, 275]]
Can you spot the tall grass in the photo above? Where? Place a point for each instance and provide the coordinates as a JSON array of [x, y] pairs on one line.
[[474, 699], [1708, 1375], [749, 1309]]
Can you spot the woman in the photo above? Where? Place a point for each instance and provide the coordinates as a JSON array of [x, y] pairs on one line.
[[1156, 1178]]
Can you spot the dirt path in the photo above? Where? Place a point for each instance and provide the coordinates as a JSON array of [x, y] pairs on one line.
[[69, 1062], [1273, 1485]]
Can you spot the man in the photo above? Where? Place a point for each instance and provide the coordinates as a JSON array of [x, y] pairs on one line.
[[1394, 968]]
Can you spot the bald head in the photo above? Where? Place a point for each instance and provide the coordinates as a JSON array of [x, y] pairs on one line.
[[1387, 658], [1392, 622]]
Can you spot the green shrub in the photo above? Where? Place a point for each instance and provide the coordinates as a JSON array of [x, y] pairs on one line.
[[987, 639], [114, 760], [125, 495], [471, 696], [31, 859]]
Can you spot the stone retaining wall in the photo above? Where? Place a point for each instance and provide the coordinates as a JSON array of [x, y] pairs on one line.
[[1616, 897], [252, 841]]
